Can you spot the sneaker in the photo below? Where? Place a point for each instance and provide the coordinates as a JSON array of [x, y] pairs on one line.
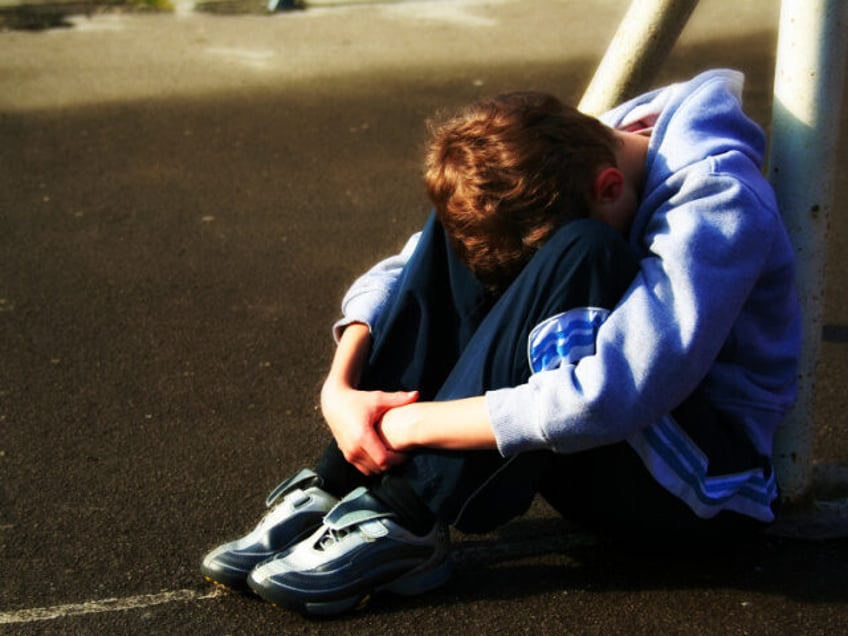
[[358, 551], [299, 505]]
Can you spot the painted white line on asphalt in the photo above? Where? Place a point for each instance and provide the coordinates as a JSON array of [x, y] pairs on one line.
[[35, 614], [464, 554]]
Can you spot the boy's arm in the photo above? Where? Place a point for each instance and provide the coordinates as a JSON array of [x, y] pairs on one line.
[[368, 296], [661, 340], [352, 414], [450, 425]]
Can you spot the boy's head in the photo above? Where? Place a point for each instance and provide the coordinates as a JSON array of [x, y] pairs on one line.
[[506, 171]]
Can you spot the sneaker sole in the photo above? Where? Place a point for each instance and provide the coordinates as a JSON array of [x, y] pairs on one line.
[[229, 587], [413, 583]]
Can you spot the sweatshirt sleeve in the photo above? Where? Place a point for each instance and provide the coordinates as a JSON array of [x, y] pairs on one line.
[[369, 295], [705, 248]]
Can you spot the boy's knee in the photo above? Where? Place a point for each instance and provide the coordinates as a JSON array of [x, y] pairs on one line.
[[592, 239], [585, 263], [589, 244]]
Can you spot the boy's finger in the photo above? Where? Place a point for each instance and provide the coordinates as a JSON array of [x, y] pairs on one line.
[[382, 457], [398, 398]]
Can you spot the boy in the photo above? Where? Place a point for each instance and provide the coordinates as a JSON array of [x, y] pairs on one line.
[[658, 368]]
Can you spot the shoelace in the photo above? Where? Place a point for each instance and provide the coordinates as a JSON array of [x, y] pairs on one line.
[[332, 537]]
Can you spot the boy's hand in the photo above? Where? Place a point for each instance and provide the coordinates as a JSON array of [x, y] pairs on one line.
[[352, 416]]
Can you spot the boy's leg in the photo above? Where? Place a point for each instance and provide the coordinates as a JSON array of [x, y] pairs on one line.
[[386, 537], [620, 498], [436, 309], [445, 338], [436, 297], [585, 264], [442, 338]]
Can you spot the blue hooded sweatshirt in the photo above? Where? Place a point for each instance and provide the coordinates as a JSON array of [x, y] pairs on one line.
[[713, 306]]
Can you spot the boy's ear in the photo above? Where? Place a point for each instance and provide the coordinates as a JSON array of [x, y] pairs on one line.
[[608, 184]]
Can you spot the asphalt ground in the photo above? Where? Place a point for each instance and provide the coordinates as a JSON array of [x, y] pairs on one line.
[[183, 200]]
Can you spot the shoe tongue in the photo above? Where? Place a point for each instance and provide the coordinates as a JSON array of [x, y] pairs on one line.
[[355, 509]]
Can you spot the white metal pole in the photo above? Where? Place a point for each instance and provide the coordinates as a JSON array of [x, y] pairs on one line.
[[640, 45], [808, 86]]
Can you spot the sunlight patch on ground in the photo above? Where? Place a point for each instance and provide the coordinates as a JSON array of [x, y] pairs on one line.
[[452, 12], [258, 59]]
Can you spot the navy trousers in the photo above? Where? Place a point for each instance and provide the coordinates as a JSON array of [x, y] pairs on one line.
[[446, 337]]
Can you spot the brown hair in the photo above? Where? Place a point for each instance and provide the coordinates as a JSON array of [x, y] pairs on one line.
[[506, 171]]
